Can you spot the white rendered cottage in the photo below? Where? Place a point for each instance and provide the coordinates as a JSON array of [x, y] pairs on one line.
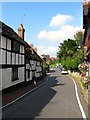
[[12, 57]]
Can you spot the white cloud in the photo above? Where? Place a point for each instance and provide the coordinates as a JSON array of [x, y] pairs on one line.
[[63, 33], [54, 37], [50, 50], [60, 19]]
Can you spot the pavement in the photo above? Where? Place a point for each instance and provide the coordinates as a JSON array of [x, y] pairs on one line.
[[15, 94]]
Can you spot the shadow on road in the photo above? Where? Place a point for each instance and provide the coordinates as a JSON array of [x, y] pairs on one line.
[[44, 96], [32, 105], [59, 84], [47, 95], [51, 71]]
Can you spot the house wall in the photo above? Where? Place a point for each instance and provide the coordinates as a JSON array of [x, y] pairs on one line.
[[34, 69], [8, 60], [30, 72], [12, 58], [87, 39], [7, 77], [38, 71]]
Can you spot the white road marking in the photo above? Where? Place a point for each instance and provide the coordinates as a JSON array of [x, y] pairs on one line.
[[23, 95], [79, 103]]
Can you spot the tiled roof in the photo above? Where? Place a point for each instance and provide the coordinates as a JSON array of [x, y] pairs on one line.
[[29, 54], [9, 32]]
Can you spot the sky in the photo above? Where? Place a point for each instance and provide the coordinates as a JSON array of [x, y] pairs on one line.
[[47, 24]]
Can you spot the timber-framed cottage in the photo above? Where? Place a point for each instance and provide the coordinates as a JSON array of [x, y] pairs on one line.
[[19, 62], [12, 57]]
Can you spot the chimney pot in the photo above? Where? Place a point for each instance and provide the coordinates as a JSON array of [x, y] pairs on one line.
[[85, 2], [35, 50]]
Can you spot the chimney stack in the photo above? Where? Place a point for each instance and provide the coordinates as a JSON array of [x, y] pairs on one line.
[[21, 31], [35, 50], [31, 45], [85, 2]]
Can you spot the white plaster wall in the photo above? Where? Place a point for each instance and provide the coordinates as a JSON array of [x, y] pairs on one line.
[[8, 57], [16, 58], [0, 57], [0, 79], [19, 59], [8, 44], [3, 57], [36, 74], [22, 59], [22, 49], [0, 42], [21, 73], [27, 66], [13, 58], [3, 42], [30, 75], [38, 63], [34, 65], [28, 79], [38, 69], [7, 77]]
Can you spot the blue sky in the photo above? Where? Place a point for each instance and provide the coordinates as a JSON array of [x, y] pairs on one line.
[[46, 24]]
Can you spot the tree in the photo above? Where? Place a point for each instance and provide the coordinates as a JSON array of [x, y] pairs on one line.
[[67, 48], [70, 52], [79, 38]]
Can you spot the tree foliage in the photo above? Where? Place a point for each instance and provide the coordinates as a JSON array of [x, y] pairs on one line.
[[70, 52]]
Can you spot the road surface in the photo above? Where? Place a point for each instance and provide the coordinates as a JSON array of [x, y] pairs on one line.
[[55, 99]]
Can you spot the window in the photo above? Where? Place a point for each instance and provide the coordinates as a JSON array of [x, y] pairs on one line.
[[15, 46], [3, 42], [8, 44], [14, 73]]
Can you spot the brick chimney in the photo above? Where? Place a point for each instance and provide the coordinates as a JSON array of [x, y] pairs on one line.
[[21, 31], [35, 49], [85, 2], [31, 45], [85, 7]]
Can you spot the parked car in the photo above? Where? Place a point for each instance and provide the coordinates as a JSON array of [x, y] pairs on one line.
[[64, 71]]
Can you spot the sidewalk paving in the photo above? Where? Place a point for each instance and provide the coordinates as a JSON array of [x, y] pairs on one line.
[[10, 96]]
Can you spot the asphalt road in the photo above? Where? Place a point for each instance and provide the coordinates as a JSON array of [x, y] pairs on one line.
[[55, 99]]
